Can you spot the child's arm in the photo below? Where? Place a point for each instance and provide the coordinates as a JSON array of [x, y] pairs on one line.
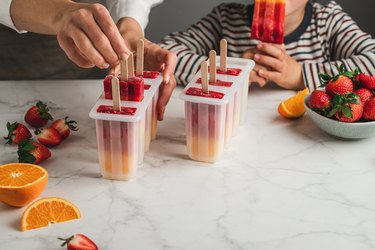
[[346, 43], [193, 45]]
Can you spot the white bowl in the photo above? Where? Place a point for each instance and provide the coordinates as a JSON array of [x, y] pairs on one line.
[[345, 130]]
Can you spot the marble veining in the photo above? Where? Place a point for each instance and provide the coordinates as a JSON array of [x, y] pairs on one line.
[[281, 185]]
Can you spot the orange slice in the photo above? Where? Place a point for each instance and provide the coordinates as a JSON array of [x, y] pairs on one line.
[[20, 183], [294, 107], [48, 211]]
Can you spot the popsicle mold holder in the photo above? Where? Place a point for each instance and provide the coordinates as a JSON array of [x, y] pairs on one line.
[[212, 122], [122, 138]]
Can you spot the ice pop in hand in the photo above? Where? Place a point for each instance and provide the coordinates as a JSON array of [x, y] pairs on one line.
[[268, 21]]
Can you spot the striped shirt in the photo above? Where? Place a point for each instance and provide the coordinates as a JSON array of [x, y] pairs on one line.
[[326, 37]]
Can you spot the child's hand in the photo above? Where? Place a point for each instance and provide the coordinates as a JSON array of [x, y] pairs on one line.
[[279, 67], [254, 77]]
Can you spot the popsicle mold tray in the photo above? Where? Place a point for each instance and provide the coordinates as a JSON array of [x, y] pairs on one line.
[[212, 120], [123, 137]]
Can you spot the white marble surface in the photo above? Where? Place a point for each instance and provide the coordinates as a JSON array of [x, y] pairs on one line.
[[282, 185]]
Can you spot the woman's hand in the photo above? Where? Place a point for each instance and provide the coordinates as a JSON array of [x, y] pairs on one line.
[[89, 36]]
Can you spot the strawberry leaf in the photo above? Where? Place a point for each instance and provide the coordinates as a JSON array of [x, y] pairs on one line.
[[347, 112]]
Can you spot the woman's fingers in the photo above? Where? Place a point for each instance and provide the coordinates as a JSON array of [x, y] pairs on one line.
[[73, 53], [87, 48], [166, 91], [108, 27]]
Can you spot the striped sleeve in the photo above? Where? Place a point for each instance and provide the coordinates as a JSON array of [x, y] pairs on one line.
[[192, 46], [347, 44]]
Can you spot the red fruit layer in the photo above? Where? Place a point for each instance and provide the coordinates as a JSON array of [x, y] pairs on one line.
[[147, 86], [109, 110], [218, 83], [131, 90], [150, 74], [268, 21], [230, 71], [198, 92]]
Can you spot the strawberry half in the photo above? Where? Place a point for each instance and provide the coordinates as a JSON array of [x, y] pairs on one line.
[[30, 151], [369, 110], [64, 126], [367, 81], [49, 137], [319, 101], [17, 132], [37, 116], [341, 84], [347, 108], [79, 242]]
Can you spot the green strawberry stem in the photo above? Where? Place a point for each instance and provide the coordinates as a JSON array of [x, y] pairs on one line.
[[66, 241]]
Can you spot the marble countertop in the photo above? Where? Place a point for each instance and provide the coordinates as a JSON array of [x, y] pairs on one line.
[[281, 185]]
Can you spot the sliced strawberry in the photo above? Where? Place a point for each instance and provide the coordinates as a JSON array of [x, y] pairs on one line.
[[49, 137], [37, 116], [79, 242], [30, 151], [17, 132], [364, 94], [369, 110], [64, 126], [341, 84]]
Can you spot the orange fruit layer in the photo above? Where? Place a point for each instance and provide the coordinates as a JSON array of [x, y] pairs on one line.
[[20, 183], [48, 211], [294, 107]]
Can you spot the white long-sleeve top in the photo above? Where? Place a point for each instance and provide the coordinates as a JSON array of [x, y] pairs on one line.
[[137, 9]]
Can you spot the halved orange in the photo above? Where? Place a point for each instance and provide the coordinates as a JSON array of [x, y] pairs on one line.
[[48, 211], [20, 183], [294, 107]]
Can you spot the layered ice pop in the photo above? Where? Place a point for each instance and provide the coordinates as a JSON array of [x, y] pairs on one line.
[[268, 21], [212, 117], [123, 126]]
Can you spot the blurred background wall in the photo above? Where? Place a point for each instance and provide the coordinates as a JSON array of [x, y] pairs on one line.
[[176, 15]]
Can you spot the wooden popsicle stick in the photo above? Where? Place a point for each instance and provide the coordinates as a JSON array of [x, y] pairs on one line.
[[140, 53], [116, 93], [223, 55], [131, 65], [212, 66], [124, 69], [204, 73]]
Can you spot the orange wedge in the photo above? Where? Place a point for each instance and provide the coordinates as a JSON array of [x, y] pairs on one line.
[[48, 211], [20, 183], [294, 107]]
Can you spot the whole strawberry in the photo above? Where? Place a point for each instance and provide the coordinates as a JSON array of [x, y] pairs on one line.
[[30, 151], [319, 101], [64, 126], [17, 132], [364, 94], [37, 116], [49, 137], [367, 81], [369, 110], [347, 108], [340, 84], [79, 242]]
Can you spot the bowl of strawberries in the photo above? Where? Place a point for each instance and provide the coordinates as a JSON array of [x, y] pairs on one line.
[[344, 106]]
